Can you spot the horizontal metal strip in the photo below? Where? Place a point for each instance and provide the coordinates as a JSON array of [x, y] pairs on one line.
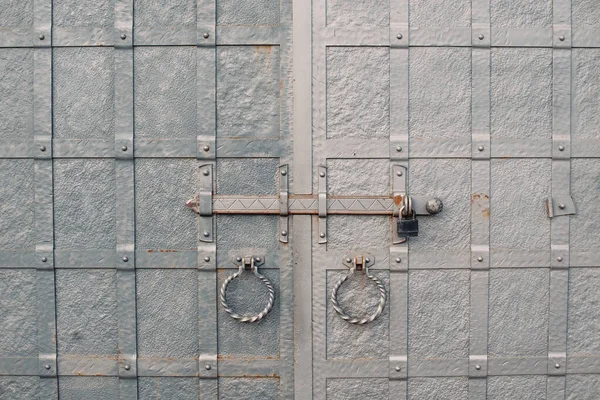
[[249, 368], [91, 365], [440, 148], [19, 366], [333, 36], [83, 36], [101, 258], [517, 365], [83, 148], [167, 367], [438, 367], [584, 257], [586, 37], [17, 37], [583, 364], [352, 368], [430, 258], [517, 258], [357, 148], [226, 35], [522, 37], [446, 36]]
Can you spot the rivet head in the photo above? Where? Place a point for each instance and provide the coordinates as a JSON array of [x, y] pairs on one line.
[[480, 36], [207, 367], [44, 259], [238, 259], [205, 172], [322, 174], [478, 367], [559, 258], [561, 206], [258, 259], [368, 260], [205, 234], [283, 233], [123, 36], [43, 148], [561, 148], [47, 366], [127, 368], [399, 173], [322, 234], [557, 366], [124, 148], [480, 148], [399, 36], [205, 35], [42, 37], [206, 147], [125, 259], [206, 259], [561, 38], [398, 149], [480, 259], [434, 206], [348, 260], [398, 260], [283, 172], [398, 369]]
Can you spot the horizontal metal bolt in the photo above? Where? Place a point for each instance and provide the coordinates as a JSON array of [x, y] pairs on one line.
[[283, 233], [206, 234], [398, 369], [478, 367], [238, 259], [207, 367], [123, 36], [43, 148], [322, 235], [557, 366], [480, 148], [561, 206], [206, 147], [561, 148], [480, 259], [206, 259], [399, 36], [559, 258], [399, 173], [47, 366], [398, 149], [205, 35], [322, 174], [481, 36], [398, 260], [124, 148], [561, 38], [127, 368], [42, 37], [205, 172], [125, 259], [44, 259]]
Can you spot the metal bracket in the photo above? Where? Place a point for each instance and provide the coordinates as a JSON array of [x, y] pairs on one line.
[[560, 205], [246, 261], [322, 204], [283, 203], [361, 261], [204, 203]]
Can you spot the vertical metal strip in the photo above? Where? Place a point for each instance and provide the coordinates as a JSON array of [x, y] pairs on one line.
[[398, 151], [125, 201], [480, 197], [43, 202], [322, 204], [561, 188]]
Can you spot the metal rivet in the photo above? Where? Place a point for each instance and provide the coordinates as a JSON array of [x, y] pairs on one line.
[[44, 259], [283, 172], [43, 148], [561, 148], [399, 173], [205, 172], [258, 259], [238, 259], [283, 233], [42, 37], [368, 260], [557, 366], [561, 38], [206, 234], [398, 369], [399, 36], [206, 259], [123, 36], [480, 259], [398, 260], [480, 148], [127, 368], [206, 147], [322, 174], [398, 149], [322, 234], [47, 366], [125, 259], [124, 148], [207, 367], [561, 206], [559, 259], [481, 37], [348, 260], [478, 367], [205, 35]]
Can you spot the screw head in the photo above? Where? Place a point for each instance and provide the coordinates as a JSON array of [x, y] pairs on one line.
[[42, 37], [348, 260], [398, 260], [127, 368], [480, 148], [205, 172], [367, 260], [480, 36], [42, 148], [124, 148], [561, 148], [283, 172], [207, 367], [559, 258], [206, 259], [561, 206], [399, 36], [399, 173], [480, 259], [123, 36], [44, 259], [206, 147], [322, 174], [398, 149], [322, 234], [125, 259], [47, 366], [478, 367], [283, 233], [258, 259], [205, 35], [398, 369], [205, 234], [561, 38], [557, 366], [238, 259]]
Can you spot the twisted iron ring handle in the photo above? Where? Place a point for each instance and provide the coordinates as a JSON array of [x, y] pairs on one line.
[[247, 318], [353, 320]]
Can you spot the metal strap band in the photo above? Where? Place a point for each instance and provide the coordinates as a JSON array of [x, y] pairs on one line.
[[322, 204], [283, 204]]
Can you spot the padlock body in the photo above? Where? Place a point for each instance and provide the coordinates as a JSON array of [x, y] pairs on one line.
[[408, 227]]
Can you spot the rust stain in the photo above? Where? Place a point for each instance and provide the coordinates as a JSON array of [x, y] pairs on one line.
[[486, 213], [263, 49], [398, 200], [162, 251]]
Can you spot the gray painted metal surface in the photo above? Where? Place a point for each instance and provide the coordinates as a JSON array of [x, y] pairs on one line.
[[295, 129]]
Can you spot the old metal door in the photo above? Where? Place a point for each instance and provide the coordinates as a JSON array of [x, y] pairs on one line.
[[150, 150]]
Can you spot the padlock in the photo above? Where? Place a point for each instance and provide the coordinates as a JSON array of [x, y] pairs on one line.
[[408, 226]]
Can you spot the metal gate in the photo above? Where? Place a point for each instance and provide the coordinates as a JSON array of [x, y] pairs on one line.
[[185, 185]]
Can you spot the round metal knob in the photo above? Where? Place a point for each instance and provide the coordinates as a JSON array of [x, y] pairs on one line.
[[434, 206]]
